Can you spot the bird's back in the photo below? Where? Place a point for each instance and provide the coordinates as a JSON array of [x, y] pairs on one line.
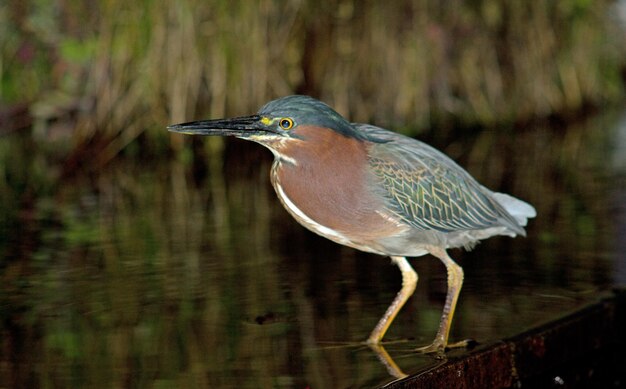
[[440, 201]]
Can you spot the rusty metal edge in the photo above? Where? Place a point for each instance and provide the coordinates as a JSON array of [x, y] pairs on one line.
[[533, 353]]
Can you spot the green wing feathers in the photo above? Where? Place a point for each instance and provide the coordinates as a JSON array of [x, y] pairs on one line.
[[433, 197], [428, 190]]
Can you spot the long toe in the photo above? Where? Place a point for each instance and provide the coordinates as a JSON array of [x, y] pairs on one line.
[[440, 347], [466, 343], [433, 348]]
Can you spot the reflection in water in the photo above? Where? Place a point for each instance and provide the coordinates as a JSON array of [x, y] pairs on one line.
[[160, 274], [618, 198]]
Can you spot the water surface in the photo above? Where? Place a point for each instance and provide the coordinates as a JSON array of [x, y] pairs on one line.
[[173, 273]]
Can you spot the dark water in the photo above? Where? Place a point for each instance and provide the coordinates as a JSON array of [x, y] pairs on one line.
[[173, 273]]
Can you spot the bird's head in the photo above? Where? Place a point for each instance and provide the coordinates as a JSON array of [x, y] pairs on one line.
[[279, 121]]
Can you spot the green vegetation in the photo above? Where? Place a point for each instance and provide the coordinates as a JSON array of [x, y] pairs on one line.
[[120, 69]]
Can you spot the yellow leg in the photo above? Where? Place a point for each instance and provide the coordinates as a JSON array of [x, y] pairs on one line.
[[409, 280], [455, 282]]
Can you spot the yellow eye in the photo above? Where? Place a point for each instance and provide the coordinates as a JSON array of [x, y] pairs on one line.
[[285, 123]]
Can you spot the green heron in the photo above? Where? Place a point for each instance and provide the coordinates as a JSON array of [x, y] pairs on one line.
[[374, 190]]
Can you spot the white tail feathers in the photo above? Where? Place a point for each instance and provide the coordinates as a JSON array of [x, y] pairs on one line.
[[520, 210]]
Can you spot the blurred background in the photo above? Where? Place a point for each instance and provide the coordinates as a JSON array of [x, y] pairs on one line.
[[131, 257]]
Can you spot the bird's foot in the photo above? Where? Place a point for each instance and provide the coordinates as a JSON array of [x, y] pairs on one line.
[[465, 343], [374, 343], [433, 348], [439, 348]]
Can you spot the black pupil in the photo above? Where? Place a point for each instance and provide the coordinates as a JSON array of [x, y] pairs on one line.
[[284, 123]]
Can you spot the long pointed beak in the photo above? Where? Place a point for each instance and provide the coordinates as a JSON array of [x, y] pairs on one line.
[[241, 127]]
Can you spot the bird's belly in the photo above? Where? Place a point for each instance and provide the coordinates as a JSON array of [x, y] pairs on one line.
[[309, 223], [377, 240], [355, 224], [330, 191]]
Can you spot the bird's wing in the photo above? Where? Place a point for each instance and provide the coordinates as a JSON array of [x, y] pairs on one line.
[[428, 190]]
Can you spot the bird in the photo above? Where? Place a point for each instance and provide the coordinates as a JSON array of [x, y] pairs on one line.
[[374, 190]]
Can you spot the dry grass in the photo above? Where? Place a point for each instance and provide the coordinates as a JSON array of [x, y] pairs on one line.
[[127, 68]]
